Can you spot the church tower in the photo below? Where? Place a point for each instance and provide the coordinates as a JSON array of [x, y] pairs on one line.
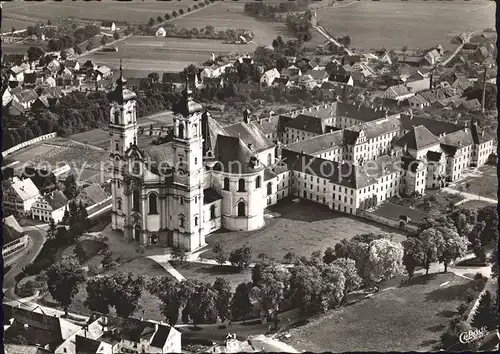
[[188, 173], [123, 134]]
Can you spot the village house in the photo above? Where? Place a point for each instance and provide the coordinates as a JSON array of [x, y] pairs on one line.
[[269, 76], [418, 102], [341, 79], [291, 72], [432, 57], [92, 195], [15, 239], [398, 93], [19, 196], [50, 206], [108, 334], [17, 74], [480, 55], [319, 75]]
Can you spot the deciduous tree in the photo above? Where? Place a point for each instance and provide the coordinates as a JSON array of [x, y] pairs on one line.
[[63, 279], [241, 306], [220, 255], [223, 300], [240, 257]]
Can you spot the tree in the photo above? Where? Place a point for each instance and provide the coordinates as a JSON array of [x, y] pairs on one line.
[[154, 77], [51, 232], [167, 17], [63, 279], [486, 314], [181, 11], [107, 262], [79, 252], [98, 298], [219, 253], [70, 187], [77, 50], [414, 254], [289, 257], [223, 300], [35, 53], [489, 215], [116, 35], [159, 19], [352, 279], [432, 243], [13, 29], [333, 285], [201, 302], [385, 259], [305, 285], [329, 256], [167, 289], [241, 306], [240, 257], [174, 13], [454, 246], [151, 22], [494, 263], [269, 289], [83, 216]]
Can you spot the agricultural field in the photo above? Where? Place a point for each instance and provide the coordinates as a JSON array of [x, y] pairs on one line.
[[142, 55], [394, 24], [20, 14], [410, 317], [230, 15], [301, 228]]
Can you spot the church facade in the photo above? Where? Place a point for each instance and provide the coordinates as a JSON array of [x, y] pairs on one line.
[[205, 178]]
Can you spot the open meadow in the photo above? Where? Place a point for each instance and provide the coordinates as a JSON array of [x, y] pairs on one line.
[[20, 14], [409, 317], [142, 55], [301, 228], [394, 24]]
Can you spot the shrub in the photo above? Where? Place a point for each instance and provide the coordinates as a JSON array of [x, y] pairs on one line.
[[478, 276], [27, 289], [470, 298], [461, 309]]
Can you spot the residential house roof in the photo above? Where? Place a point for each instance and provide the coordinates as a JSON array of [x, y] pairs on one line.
[[93, 194], [359, 112], [471, 105], [16, 69], [24, 349], [267, 125], [26, 96], [12, 229], [320, 74], [25, 189], [340, 78], [418, 100], [84, 345], [411, 59], [436, 127], [161, 336], [434, 156], [71, 64], [398, 90], [307, 123], [417, 138], [56, 199], [103, 70], [30, 78]]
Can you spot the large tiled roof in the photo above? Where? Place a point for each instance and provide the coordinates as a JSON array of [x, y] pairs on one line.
[[250, 134], [307, 123], [94, 193], [85, 345], [341, 78], [459, 138], [376, 128], [210, 195], [267, 125], [210, 129], [398, 90], [12, 229], [318, 143], [359, 112], [25, 188], [56, 199], [436, 127], [26, 96], [350, 176], [233, 155], [417, 138]]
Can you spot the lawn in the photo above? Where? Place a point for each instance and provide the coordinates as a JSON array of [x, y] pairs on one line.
[[393, 24], [300, 228], [483, 182], [410, 317], [20, 15], [432, 203], [142, 55], [90, 247], [209, 273], [95, 137], [149, 304]]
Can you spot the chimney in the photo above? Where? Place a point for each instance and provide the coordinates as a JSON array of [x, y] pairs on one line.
[[430, 80], [405, 148], [250, 146]]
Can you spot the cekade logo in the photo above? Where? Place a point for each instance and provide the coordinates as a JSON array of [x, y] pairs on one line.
[[472, 335]]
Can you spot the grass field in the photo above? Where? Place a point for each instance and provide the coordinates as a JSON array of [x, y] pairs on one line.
[[20, 14], [394, 24], [483, 182], [301, 228], [474, 204], [209, 273], [230, 15], [410, 317], [142, 55]]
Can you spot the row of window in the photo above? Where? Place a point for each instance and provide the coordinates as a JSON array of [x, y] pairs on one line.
[[241, 184]]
